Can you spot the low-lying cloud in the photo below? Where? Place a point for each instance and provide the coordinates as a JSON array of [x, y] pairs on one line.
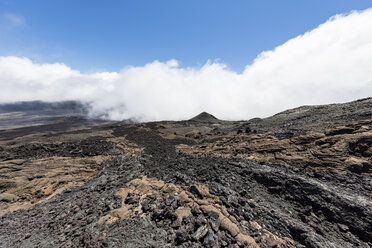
[[332, 63]]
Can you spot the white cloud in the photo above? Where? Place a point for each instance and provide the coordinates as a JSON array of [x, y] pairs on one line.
[[11, 20], [331, 63]]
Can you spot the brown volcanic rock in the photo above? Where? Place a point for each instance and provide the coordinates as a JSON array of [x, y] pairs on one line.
[[38, 180], [337, 149], [36, 171]]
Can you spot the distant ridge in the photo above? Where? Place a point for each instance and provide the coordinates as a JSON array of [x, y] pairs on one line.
[[204, 117], [40, 106], [36, 113]]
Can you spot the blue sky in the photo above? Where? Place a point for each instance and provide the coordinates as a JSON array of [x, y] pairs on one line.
[[110, 35], [109, 53]]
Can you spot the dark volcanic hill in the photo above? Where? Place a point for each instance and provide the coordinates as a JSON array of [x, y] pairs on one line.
[[301, 178], [204, 117]]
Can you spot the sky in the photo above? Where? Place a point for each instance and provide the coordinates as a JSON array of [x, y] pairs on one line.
[[154, 60], [91, 35]]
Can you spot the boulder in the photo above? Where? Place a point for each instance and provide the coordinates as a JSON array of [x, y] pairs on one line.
[[7, 197]]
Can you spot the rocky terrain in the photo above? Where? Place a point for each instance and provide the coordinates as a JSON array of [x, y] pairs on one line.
[[301, 178]]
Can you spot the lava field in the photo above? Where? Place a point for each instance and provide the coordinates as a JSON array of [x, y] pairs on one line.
[[301, 178]]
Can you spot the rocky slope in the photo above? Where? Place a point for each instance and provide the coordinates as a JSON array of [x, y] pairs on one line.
[[301, 178]]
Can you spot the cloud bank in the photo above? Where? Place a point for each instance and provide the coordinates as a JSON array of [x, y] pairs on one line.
[[332, 63]]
